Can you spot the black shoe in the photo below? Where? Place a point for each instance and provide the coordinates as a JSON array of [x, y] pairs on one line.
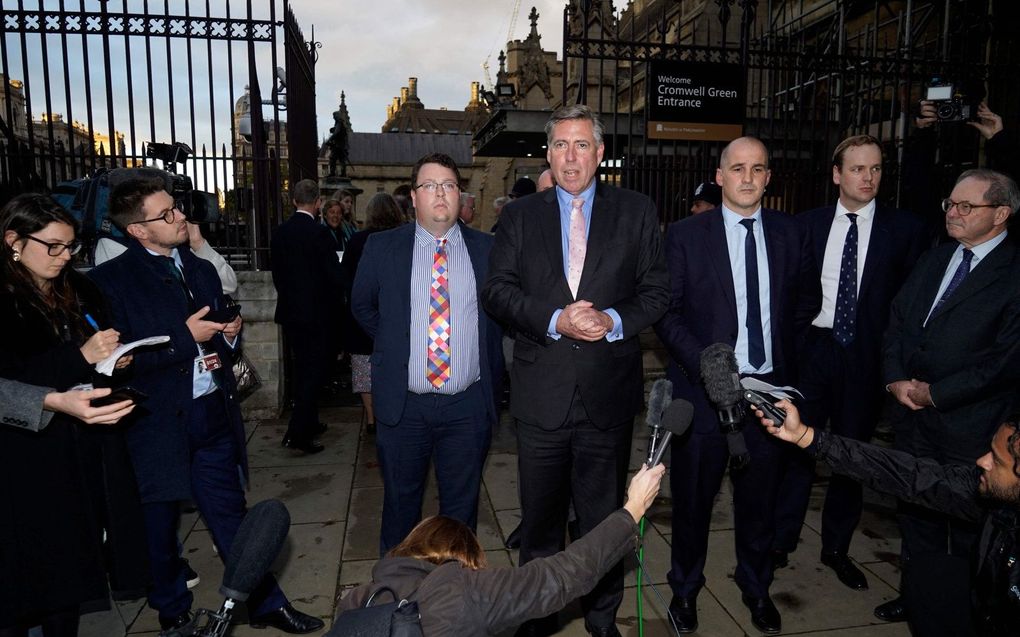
[[684, 611], [289, 620], [541, 627], [170, 623], [606, 631], [319, 429], [513, 541], [764, 614], [892, 611], [780, 559], [307, 446], [190, 575], [850, 575]]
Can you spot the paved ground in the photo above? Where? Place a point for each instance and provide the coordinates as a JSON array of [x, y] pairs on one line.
[[335, 501]]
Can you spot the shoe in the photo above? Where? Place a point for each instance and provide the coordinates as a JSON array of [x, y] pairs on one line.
[[513, 541], [541, 627], [850, 575], [170, 623], [780, 559], [892, 611], [192, 577], [607, 631], [684, 611], [289, 620], [309, 446], [764, 614], [319, 429]]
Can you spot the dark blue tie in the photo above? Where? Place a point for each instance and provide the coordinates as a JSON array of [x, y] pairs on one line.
[[961, 273], [844, 324], [755, 337]]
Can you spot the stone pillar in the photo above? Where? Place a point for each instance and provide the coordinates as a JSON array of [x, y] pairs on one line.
[[262, 343]]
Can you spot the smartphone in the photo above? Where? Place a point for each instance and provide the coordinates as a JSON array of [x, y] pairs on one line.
[[120, 394], [225, 315]]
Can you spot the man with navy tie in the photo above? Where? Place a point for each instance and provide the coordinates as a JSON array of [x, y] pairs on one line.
[[864, 251], [951, 359], [741, 275]]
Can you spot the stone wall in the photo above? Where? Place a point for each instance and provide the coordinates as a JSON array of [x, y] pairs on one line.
[[262, 343]]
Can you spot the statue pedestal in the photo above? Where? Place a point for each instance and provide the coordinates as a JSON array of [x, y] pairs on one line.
[[330, 185]]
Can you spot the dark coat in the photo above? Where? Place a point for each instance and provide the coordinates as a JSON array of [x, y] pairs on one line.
[[703, 306], [623, 269], [897, 240], [307, 274], [381, 303], [356, 341], [456, 601], [969, 351], [145, 300], [60, 487]]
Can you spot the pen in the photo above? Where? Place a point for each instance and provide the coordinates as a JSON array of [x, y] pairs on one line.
[[92, 322]]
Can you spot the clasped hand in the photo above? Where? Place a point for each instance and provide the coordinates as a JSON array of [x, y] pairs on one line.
[[913, 394], [580, 320]]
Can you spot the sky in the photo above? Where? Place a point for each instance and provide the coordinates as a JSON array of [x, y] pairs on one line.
[[370, 48]]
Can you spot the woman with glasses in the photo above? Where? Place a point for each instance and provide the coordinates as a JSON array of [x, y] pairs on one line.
[[63, 487]]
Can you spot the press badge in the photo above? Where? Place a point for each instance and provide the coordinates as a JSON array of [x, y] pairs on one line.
[[207, 363]]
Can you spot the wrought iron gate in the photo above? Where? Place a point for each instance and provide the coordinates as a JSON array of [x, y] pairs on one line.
[[813, 76], [88, 84]]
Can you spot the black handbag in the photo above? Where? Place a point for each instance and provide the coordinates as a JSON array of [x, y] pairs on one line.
[[399, 618]]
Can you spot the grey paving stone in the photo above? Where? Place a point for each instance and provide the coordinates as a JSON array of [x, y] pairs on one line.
[[265, 450]]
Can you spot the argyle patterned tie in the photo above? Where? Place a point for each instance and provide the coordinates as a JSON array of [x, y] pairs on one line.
[[577, 245], [844, 324], [439, 320]]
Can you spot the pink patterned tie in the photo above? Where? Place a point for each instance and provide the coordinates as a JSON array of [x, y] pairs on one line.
[[438, 371], [577, 245]]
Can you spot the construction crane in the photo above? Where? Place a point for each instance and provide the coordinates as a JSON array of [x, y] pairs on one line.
[[509, 34]]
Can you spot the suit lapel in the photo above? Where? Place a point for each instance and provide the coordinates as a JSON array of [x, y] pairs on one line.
[[549, 229], [402, 262], [775, 253], [821, 227], [879, 247], [984, 274], [599, 236], [933, 280], [719, 257]]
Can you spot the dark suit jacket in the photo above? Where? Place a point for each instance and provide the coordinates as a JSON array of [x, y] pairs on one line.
[[969, 351], [623, 269], [897, 240], [145, 300], [381, 303], [307, 274], [703, 306]]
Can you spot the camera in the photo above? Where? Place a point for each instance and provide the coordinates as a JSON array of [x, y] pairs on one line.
[[196, 205], [951, 104]]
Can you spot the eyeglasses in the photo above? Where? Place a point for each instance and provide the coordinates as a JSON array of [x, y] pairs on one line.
[[431, 187], [964, 207], [168, 216], [57, 249]]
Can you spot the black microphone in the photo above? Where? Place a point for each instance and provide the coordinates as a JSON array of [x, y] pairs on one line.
[[256, 545], [660, 396], [675, 420], [721, 376]]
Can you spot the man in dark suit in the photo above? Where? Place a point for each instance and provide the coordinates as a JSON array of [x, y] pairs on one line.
[[310, 290], [863, 252], [951, 359], [437, 356], [740, 275], [188, 442], [577, 271]]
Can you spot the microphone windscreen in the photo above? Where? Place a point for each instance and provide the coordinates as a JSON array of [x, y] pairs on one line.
[[662, 392], [739, 457], [677, 417], [256, 545], [721, 375]]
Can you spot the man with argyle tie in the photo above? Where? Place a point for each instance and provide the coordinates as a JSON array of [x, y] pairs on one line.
[[578, 271], [863, 252], [437, 355], [951, 359]]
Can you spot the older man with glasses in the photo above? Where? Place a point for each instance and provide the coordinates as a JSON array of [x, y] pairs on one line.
[[437, 357], [951, 359]]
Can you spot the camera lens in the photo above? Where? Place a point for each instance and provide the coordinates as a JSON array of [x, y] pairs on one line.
[[947, 110]]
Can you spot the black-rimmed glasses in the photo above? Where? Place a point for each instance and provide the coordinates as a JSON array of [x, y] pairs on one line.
[[57, 249], [167, 216], [964, 207]]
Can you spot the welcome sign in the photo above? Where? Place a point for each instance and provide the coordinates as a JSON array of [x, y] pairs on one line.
[[695, 100]]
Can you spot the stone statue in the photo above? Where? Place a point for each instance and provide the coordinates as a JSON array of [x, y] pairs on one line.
[[338, 145]]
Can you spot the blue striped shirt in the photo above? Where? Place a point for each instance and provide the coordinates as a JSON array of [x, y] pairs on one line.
[[464, 366]]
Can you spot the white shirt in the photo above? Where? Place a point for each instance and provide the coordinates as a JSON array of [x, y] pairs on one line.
[[833, 259]]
